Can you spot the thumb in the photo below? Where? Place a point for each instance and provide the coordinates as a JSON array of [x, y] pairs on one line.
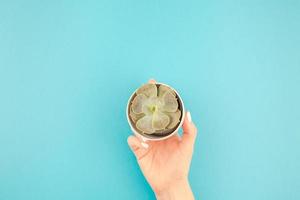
[[189, 131]]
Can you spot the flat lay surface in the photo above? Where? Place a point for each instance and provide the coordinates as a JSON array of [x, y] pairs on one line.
[[67, 70]]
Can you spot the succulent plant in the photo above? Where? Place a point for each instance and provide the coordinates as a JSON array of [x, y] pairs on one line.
[[155, 109]]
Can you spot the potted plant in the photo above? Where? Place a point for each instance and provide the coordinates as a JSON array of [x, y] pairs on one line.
[[155, 111]]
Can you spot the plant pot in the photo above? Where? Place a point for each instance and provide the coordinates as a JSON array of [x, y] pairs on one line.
[[167, 133]]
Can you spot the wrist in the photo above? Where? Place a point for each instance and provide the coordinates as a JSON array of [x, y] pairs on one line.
[[176, 190]]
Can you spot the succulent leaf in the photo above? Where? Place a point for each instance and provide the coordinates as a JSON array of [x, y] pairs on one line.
[[170, 102], [137, 103], [150, 90], [160, 120], [162, 89], [174, 119], [134, 116], [145, 124]]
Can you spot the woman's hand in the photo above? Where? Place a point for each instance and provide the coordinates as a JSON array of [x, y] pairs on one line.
[[165, 164]]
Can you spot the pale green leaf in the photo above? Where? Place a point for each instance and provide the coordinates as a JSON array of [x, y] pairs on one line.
[[174, 119], [145, 125], [162, 89], [134, 117], [150, 90], [137, 103], [160, 120], [170, 103]]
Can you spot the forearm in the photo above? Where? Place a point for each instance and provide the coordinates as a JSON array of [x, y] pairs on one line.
[[180, 190]]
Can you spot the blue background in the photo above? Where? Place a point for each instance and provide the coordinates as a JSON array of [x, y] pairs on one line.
[[67, 69]]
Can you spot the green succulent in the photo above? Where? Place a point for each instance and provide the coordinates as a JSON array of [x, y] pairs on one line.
[[155, 109]]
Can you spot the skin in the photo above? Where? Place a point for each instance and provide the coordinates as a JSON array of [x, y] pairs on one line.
[[165, 164]]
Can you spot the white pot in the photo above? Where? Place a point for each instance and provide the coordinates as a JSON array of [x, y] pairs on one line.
[[145, 137]]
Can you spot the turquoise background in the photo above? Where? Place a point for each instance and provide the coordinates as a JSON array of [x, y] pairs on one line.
[[67, 69]]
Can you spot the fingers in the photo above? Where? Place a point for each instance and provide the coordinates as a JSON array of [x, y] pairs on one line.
[[133, 143], [189, 130], [152, 81], [139, 148]]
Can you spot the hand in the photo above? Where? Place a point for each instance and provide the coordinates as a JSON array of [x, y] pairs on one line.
[[165, 164]]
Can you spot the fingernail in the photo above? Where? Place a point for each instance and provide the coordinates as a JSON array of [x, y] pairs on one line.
[[145, 145], [189, 117]]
